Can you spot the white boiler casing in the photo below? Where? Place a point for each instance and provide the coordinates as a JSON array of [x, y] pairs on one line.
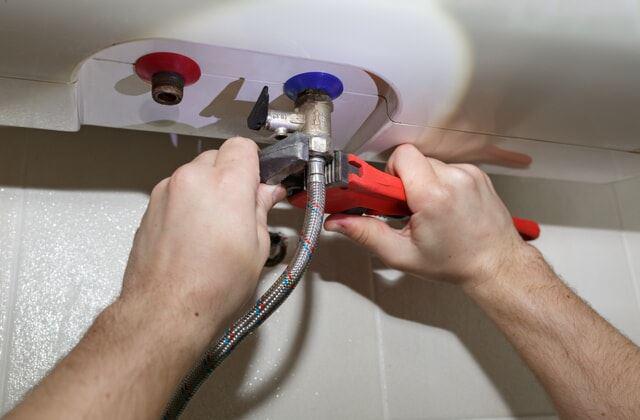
[[537, 89]]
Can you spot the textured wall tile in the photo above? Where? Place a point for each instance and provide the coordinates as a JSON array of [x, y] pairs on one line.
[[12, 163], [84, 197], [583, 239], [552, 417], [317, 357], [75, 246], [628, 195], [444, 358]]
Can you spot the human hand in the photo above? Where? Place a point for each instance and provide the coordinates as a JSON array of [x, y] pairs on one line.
[[460, 230], [203, 240]]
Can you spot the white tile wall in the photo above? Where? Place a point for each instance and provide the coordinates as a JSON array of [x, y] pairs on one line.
[[356, 340], [628, 195], [317, 357], [13, 153], [584, 240]]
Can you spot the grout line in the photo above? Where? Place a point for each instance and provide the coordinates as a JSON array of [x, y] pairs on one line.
[[635, 277], [381, 366], [380, 343], [13, 284], [516, 417]]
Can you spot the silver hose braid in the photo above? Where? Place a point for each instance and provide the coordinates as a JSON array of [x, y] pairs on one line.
[[269, 301]]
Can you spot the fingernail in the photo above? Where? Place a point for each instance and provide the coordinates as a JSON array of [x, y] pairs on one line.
[[334, 227]]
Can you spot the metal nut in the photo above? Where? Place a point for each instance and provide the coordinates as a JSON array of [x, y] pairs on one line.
[[320, 145]]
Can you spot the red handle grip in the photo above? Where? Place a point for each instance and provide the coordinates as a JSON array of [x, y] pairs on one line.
[[528, 229], [383, 194]]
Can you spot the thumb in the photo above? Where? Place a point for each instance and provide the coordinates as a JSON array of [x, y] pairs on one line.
[[267, 197], [372, 233]]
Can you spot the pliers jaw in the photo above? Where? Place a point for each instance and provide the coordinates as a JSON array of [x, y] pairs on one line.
[[284, 158], [336, 175], [354, 186]]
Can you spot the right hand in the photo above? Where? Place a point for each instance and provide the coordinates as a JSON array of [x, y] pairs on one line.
[[460, 230]]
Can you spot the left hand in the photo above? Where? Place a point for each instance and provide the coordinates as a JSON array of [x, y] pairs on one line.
[[195, 260], [203, 240]]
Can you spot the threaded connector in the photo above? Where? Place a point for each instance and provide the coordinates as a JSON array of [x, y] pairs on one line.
[[167, 88]]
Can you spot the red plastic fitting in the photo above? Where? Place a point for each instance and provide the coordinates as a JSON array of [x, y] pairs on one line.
[[168, 73]]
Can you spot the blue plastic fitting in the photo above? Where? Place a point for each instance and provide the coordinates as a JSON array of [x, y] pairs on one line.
[[328, 83]]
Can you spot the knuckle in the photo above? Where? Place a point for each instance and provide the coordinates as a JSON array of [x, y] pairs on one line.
[[209, 153], [470, 168], [185, 176], [473, 170], [432, 161], [406, 147], [487, 179], [242, 143], [159, 188], [440, 197], [462, 178], [481, 178], [239, 140], [402, 151]]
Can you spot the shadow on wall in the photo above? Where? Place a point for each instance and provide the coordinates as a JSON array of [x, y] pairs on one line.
[[111, 159], [225, 393], [229, 112], [95, 158], [99, 158], [444, 306]]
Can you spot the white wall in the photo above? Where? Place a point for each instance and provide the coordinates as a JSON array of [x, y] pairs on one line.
[[356, 340]]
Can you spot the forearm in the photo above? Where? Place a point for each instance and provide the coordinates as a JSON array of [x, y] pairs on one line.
[[126, 366], [588, 368]]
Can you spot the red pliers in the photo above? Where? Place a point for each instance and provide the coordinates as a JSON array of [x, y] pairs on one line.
[[354, 186]]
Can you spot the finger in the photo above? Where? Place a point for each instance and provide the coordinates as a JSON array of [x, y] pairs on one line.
[[408, 152], [239, 156], [207, 158], [417, 172], [371, 233]]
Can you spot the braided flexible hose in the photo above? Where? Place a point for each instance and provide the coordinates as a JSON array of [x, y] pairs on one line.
[[269, 301]]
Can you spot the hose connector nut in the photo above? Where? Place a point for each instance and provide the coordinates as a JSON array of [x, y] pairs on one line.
[[320, 146]]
